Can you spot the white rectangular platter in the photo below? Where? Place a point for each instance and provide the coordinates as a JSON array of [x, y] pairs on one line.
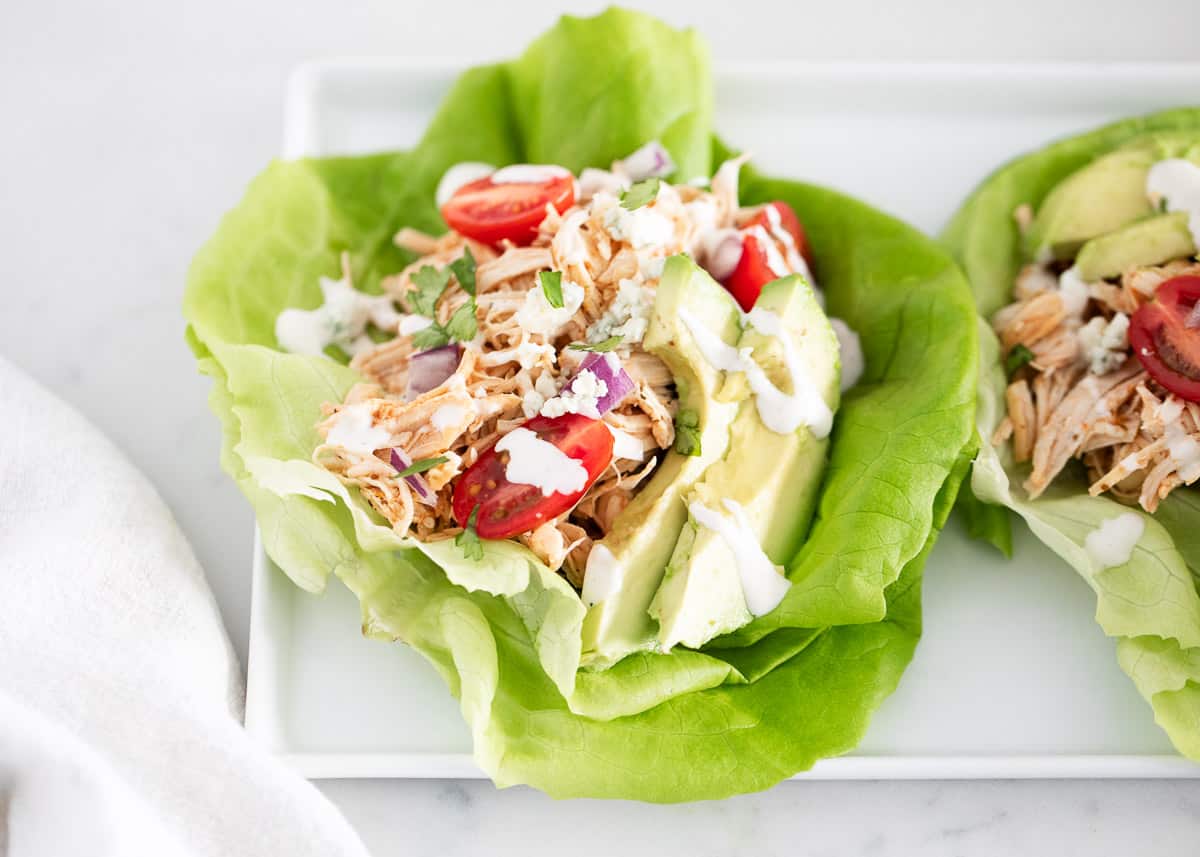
[[1013, 678]]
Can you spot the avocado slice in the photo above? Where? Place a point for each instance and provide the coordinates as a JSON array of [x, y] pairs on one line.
[[1104, 196], [633, 554], [1151, 241], [774, 477]]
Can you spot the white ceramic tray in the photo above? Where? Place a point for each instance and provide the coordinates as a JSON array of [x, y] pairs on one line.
[[1013, 677]]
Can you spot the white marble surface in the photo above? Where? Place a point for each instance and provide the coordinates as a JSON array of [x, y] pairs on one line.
[[129, 127]]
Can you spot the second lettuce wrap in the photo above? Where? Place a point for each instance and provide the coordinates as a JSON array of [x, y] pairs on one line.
[[1150, 604]]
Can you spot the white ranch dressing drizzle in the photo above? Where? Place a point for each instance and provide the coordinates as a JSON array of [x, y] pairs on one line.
[[602, 578], [1182, 447], [775, 260], [780, 412], [763, 583], [459, 175], [850, 349], [1112, 542], [354, 431], [794, 259], [341, 320], [447, 416], [533, 461], [529, 174], [1178, 182]]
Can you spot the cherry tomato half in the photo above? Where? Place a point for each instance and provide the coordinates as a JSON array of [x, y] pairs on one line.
[[1162, 341], [790, 222], [510, 508], [751, 274], [491, 211], [762, 243]]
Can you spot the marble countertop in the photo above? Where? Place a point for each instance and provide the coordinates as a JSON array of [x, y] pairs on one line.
[[129, 129]]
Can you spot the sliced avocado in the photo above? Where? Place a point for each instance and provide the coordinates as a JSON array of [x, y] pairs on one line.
[[1104, 196], [774, 477], [644, 534], [1151, 241]]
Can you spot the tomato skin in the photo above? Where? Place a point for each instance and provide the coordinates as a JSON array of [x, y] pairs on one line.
[[1166, 347], [507, 508], [789, 221], [753, 271], [750, 275], [491, 212]]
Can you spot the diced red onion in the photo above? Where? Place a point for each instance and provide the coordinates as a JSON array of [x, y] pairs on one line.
[[720, 251], [650, 161], [428, 369], [1193, 319], [416, 482], [607, 368]]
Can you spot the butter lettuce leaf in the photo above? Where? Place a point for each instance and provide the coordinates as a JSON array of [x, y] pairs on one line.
[[504, 631]]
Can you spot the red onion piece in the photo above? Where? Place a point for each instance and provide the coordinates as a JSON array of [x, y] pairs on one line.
[[607, 368], [428, 369], [650, 161], [420, 488], [720, 252]]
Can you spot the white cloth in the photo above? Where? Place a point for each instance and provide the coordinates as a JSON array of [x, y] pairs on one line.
[[120, 697]]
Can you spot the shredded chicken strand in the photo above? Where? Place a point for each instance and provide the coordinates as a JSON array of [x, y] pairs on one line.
[[1127, 430]]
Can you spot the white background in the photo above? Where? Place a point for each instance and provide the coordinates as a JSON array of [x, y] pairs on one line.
[[127, 128]]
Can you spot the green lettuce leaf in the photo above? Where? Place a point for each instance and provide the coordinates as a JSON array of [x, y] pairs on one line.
[[504, 632], [1151, 604]]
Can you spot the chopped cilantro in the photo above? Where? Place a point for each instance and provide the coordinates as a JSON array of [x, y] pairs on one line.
[[604, 345], [434, 336], [468, 539], [1018, 357], [640, 194], [552, 287], [421, 465], [462, 326], [687, 433], [430, 282], [464, 271]]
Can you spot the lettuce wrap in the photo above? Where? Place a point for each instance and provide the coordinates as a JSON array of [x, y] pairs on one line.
[[748, 709], [1149, 604]]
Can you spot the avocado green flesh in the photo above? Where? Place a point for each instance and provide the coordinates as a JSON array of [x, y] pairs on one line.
[[774, 477], [1104, 196], [1147, 242], [644, 534]]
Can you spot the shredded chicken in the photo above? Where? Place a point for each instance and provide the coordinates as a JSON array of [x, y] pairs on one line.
[[518, 360], [1083, 395]]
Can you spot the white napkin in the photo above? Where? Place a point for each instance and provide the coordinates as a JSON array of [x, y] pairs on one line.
[[120, 697]]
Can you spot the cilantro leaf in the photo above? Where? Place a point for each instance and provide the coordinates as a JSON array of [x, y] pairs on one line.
[[462, 326], [421, 465], [602, 346], [640, 194], [552, 287], [1018, 357], [464, 271], [434, 336], [430, 282], [687, 433], [468, 539]]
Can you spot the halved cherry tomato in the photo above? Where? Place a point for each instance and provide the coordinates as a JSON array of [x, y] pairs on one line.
[[1162, 340], [491, 211], [754, 270], [751, 274], [509, 508], [790, 222]]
